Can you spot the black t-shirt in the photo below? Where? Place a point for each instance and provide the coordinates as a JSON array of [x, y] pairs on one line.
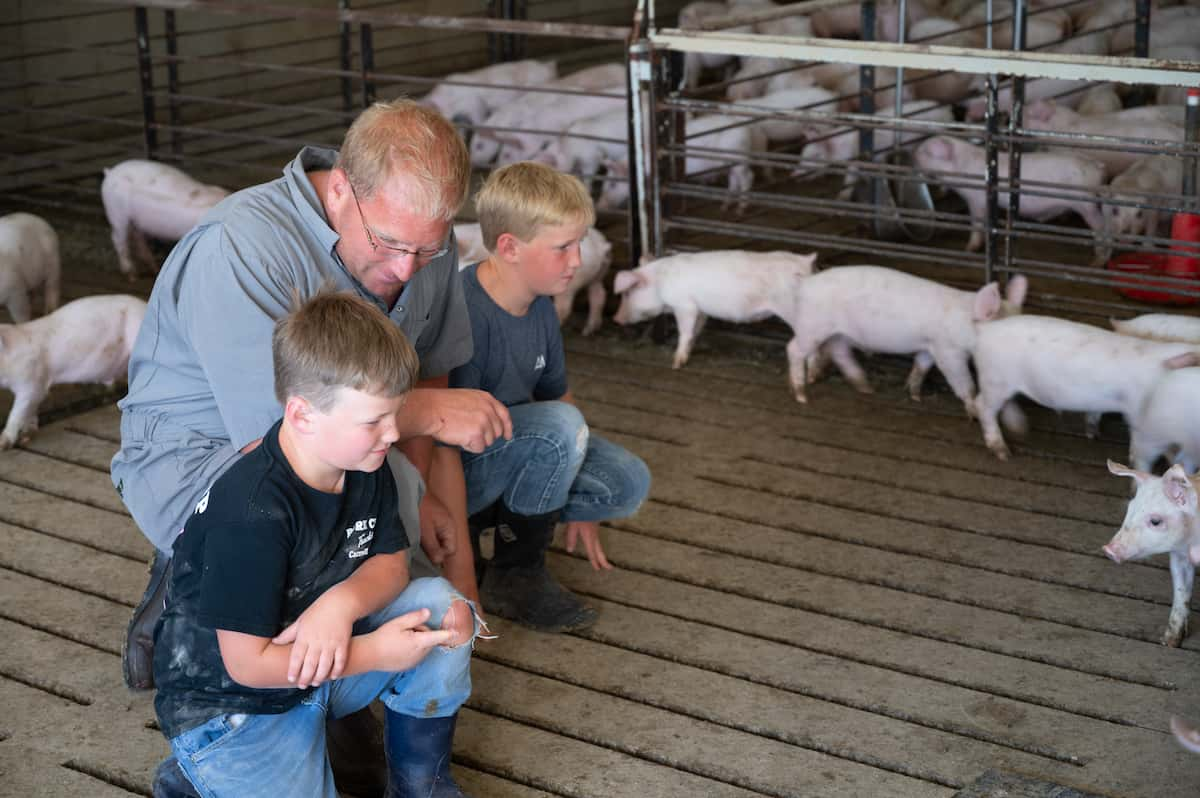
[[260, 547]]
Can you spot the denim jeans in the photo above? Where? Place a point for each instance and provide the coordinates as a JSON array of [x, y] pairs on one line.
[[553, 462], [245, 756]]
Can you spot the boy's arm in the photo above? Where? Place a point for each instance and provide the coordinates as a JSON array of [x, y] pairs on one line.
[[320, 637], [397, 645], [587, 531]]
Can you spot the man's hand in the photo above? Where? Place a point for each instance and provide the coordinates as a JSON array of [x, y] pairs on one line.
[[589, 531], [320, 640], [466, 417], [403, 642], [438, 532]]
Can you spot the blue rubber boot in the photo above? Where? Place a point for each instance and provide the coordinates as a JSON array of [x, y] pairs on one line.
[[418, 756], [169, 781]]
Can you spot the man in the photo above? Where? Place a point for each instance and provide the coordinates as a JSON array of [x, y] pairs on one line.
[[374, 218]]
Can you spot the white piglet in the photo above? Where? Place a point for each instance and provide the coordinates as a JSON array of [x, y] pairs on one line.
[[732, 285], [1168, 422], [472, 104], [87, 340], [1161, 519], [1065, 366], [149, 199], [884, 310], [595, 254], [29, 260], [1161, 327]]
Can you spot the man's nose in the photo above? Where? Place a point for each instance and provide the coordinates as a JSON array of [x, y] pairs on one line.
[[404, 266]]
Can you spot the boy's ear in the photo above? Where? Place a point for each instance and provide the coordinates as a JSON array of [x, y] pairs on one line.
[[298, 413], [506, 246]]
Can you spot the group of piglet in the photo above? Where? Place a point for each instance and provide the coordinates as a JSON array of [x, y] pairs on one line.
[[89, 339], [1145, 369]]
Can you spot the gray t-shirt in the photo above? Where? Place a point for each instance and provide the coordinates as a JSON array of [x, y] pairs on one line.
[[201, 375], [517, 359]]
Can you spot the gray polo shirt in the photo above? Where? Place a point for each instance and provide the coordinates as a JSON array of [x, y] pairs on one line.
[[201, 375]]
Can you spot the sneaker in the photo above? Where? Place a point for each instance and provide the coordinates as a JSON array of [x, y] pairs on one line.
[[532, 597], [137, 650]]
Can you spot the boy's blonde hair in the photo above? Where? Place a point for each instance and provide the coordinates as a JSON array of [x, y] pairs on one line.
[[402, 137], [523, 197], [338, 340]]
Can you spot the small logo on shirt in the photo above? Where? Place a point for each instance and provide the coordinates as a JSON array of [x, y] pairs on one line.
[[202, 505], [541, 363], [366, 530]]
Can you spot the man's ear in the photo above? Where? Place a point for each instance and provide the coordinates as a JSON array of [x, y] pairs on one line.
[[299, 414]]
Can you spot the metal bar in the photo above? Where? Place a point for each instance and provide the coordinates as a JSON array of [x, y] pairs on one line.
[[1192, 122], [767, 15], [145, 81], [345, 58], [172, 81], [992, 179], [1014, 123], [367, 57], [866, 86], [388, 18], [1158, 72], [1141, 31]]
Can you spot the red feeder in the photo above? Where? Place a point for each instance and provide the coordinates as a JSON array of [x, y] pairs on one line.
[[1141, 268], [1184, 227]]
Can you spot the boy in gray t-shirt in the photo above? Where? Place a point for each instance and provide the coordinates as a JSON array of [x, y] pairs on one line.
[[533, 219]]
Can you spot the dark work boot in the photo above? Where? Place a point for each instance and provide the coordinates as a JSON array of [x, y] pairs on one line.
[[516, 584], [356, 754], [418, 756], [137, 651], [169, 781]]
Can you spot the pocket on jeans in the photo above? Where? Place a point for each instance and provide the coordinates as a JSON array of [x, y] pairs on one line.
[[215, 734]]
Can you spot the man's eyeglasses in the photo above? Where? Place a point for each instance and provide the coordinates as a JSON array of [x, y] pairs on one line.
[[423, 255]]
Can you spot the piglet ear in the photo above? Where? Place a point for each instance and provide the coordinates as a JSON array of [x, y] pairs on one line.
[[626, 280], [1186, 360], [1178, 488], [1126, 471], [987, 303]]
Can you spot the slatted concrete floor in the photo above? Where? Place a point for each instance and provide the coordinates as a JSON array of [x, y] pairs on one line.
[[847, 599]]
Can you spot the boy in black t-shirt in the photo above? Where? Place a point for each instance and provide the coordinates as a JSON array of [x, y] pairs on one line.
[[532, 219], [289, 596]]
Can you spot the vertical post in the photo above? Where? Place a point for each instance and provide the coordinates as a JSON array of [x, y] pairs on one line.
[[146, 81], [991, 177], [643, 216], [1015, 114], [1191, 123], [866, 104], [517, 42], [1141, 30], [367, 57], [345, 57], [172, 81]]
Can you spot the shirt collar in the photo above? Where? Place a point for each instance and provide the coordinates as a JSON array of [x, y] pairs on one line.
[[305, 196]]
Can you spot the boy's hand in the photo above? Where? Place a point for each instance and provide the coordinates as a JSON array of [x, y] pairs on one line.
[[438, 532], [403, 642], [320, 640], [589, 531]]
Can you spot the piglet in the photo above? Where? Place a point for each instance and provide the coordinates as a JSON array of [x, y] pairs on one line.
[[884, 310], [1072, 179], [1149, 181], [87, 340], [1063, 365], [1167, 422], [472, 104], [28, 260], [1161, 327], [732, 285], [595, 253], [1161, 519], [150, 199], [1186, 734]]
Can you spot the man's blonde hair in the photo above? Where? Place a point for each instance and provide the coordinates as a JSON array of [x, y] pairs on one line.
[[524, 197], [402, 137], [338, 340]]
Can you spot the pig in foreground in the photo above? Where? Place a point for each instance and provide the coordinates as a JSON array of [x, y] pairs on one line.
[[1186, 734], [732, 285], [28, 260], [1168, 422], [1161, 327], [1063, 365], [1161, 519], [595, 253], [1073, 180], [87, 340], [147, 199], [884, 310]]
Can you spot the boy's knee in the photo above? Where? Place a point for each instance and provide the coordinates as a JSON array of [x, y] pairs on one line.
[[448, 609], [460, 619], [571, 427]]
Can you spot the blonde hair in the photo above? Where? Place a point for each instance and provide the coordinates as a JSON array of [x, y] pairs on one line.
[[338, 340], [523, 197], [404, 138]]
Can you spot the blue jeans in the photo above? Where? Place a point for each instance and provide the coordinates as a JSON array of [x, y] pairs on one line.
[[240, 755], [553, 462]]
